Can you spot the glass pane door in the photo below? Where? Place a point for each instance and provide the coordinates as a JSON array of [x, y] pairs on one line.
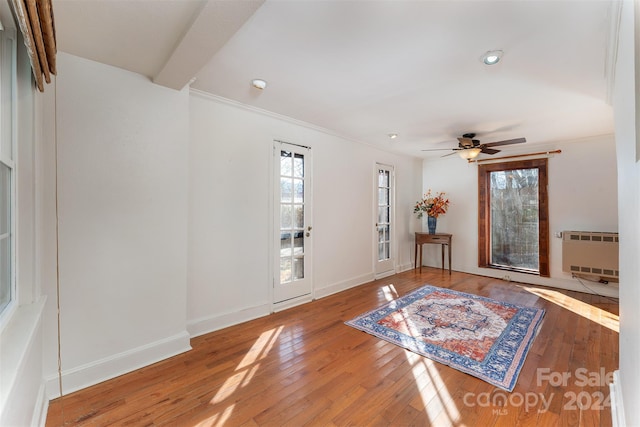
[[291, 216], [293, 224], [384, 220], [384, 210]]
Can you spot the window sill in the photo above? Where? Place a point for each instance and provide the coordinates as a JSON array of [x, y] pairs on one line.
[[512, 269]]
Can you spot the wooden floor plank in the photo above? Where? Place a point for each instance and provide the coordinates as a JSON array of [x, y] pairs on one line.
[[305, 367]]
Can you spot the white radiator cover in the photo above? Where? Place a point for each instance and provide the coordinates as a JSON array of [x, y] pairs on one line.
[[590, 253]]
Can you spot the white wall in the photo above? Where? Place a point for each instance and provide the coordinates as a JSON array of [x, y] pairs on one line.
[[132, 188], [627, 139], [122, 174], [581, 180], [229, 210]]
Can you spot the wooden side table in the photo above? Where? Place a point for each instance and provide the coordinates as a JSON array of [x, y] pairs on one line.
[[442, 239]]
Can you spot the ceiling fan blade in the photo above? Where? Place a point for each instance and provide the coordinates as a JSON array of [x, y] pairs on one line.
[[440, 149], [506, 142], [486, 150], [447, 155]]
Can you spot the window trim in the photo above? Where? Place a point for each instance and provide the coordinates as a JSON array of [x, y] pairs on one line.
[[9, 35], [484, 213]]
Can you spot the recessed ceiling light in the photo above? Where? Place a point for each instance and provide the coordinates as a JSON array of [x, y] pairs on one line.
[[259, 84], [393, 135], [492, 57]]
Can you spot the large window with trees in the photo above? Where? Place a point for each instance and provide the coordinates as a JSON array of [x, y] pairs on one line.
[[513, 222]]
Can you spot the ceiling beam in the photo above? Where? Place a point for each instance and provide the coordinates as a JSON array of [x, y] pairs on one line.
[[611, 53], [216, 23]]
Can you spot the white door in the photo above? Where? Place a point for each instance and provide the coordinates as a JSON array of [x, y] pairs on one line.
[[292, 225], [384, 248]]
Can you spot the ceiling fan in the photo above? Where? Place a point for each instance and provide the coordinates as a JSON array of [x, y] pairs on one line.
[[469, 148]]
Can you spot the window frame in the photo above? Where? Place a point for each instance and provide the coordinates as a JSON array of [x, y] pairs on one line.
[[8, 107], [484, 213]]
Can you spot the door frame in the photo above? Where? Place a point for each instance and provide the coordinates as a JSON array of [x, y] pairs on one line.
[[393, 241], [276, 146]]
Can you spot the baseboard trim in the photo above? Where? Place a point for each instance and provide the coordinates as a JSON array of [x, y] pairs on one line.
[[80, 377], [385, 274], [204, 325], [41, 408], [344, 285], [617, 409], [293, 302], [608, 290], [405, 267]]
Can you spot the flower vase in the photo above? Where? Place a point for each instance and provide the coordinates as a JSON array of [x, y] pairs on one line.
[[431, 224]]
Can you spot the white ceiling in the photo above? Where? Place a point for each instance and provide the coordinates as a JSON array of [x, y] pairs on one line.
[[364, 69]]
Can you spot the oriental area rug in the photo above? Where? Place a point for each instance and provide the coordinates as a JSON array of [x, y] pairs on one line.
[[480, 336]]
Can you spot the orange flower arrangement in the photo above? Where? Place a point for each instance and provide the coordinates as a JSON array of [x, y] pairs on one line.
[[431, 205]]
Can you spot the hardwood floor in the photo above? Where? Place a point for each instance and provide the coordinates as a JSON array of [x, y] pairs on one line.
[[304, 367]]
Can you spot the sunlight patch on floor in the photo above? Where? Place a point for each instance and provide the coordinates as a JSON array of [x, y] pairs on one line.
[[261, 347], [229, 387], [437, 402], [444, 397], [389, 292], [595, 314], [250, 375], [218, 420], [248, 366], [433, 392]]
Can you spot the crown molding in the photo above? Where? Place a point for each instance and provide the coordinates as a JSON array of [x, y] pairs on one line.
[[287, 119]]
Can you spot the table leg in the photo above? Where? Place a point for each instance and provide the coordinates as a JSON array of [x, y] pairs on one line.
[[449, 258], [442, 247]]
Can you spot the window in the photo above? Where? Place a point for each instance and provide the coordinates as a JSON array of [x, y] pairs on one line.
[[513, 232], [7, 170], [384, 214]]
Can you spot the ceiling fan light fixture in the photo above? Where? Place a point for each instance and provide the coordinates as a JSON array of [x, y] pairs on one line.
[[469, 153], [492, 57]]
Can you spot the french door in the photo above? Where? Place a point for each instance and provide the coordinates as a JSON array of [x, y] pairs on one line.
[[292, 223], [385, 227]]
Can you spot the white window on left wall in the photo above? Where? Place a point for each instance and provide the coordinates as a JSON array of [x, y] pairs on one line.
[[7, 171]]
